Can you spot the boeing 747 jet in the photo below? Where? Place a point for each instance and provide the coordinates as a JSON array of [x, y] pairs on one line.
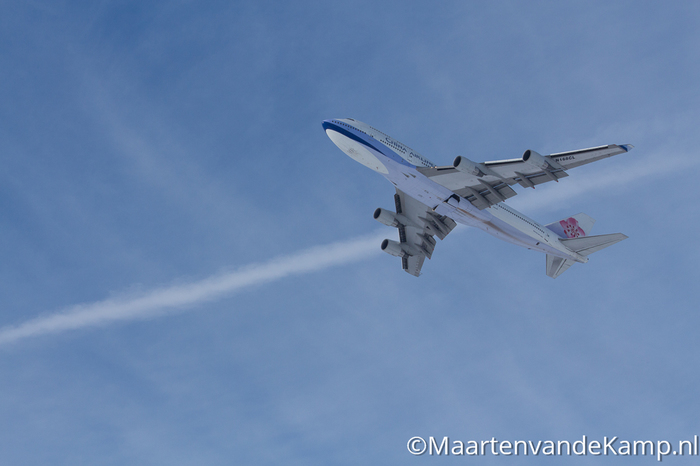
[[430, 200]]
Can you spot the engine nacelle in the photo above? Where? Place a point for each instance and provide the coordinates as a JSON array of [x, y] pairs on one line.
[[536, 160], [386, 217], [394, 248], [392, 219], [465, 165]]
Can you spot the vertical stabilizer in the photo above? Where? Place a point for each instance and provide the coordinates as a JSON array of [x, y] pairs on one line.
[[572, 227]]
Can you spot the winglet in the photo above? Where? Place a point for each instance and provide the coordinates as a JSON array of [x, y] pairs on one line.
[[627, 147]]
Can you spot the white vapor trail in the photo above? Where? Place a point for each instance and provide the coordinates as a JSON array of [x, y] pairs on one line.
[[165, 300]]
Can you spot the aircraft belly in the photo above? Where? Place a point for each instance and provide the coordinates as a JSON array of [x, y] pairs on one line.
[[357, 151], [494, 226], [416, 185], [434, 196]]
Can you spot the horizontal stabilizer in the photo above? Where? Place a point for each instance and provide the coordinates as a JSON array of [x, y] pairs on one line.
[[584, 245], [589, 244]]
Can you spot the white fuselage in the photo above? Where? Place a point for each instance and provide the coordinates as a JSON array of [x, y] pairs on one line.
[[398, 162]]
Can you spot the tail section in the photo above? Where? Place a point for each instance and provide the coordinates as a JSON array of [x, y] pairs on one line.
[[584, 245]]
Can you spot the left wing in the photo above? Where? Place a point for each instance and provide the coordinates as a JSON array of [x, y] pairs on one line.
[[417, 224], [488, 183]]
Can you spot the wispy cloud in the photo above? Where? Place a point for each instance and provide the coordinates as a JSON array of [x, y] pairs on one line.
[[174, 298]]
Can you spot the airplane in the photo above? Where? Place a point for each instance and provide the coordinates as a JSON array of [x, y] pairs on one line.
[[431, 200]]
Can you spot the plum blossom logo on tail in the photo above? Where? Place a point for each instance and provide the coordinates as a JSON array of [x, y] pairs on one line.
[[571, 228]]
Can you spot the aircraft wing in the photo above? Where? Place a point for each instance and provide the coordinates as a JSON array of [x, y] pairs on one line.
[[488, 183], [417, 230]]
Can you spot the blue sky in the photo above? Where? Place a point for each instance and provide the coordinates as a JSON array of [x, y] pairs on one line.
[[148, 149]]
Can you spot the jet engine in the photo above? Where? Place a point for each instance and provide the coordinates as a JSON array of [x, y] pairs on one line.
[[386, 217], [394, 248], [392, 219], [533, 158], [465, 165]]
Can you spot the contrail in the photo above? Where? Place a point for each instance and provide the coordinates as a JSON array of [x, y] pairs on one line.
[[171, 299]]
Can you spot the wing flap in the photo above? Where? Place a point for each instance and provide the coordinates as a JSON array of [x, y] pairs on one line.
[[485, 194], [413, 264]]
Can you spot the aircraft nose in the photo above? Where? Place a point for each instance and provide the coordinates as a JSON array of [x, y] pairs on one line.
[[328, 124]]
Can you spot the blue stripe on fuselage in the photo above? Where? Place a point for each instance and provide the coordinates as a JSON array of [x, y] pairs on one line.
[[356, 137]]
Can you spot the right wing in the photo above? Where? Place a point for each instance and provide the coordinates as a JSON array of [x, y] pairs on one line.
[[417, 224], [488, 183]]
